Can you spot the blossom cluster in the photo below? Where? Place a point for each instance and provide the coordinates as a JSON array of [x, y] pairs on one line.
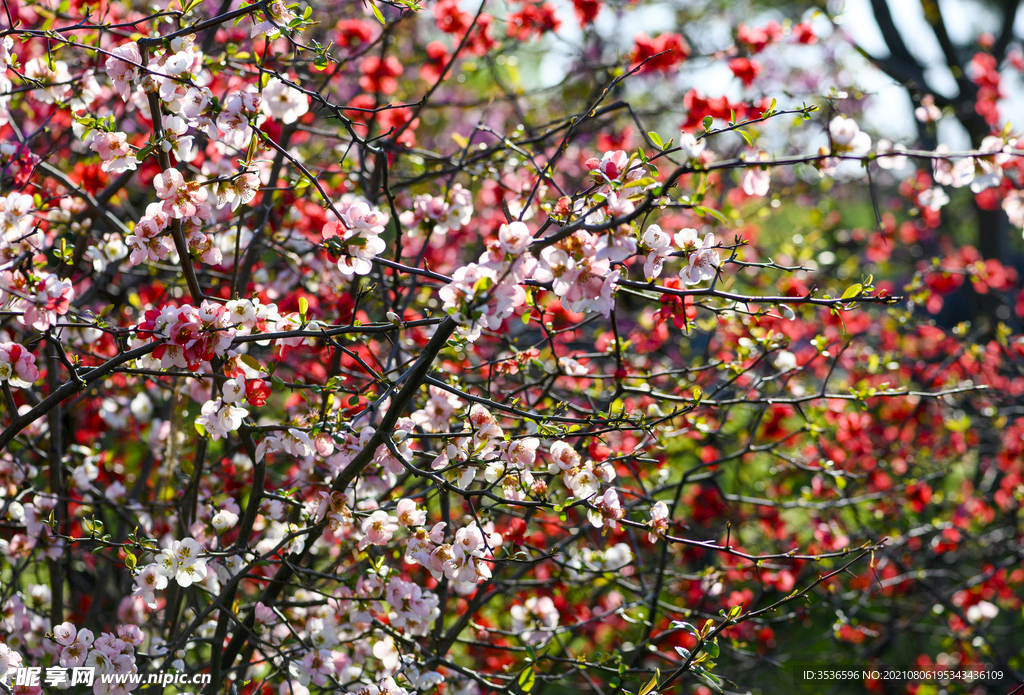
[[190, 335], [378, 499], [464, 561], [17, 365], [181, 562], [178, 76], [38, 297], [439, 215], [703, 261], [358, 235]]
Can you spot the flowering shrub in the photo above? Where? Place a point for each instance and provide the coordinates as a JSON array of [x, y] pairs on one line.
[[334, 356]]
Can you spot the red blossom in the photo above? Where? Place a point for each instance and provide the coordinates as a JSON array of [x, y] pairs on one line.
[[481, 37], [757, 39], [257, 392], [586, 11], [379, 75], [804, 33], [450, 19], [437, 58], [353, 32], [535, 19], [661, 54], [745, 69]]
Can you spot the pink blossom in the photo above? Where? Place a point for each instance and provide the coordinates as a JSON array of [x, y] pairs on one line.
[[755, 181], [593, 288], [65, 634], [607, 510], [317, 666], [147, 583], [168, 183], [659, 244], [535, 620], [521, 452], [219, 418], [659, 521], [476, 300], [115, 152], [74, 654], [847, 137], [927, 112], [890, 155], [514, 238], [409, 515], [17, 365], [703, 262], [379, 528], [565, 456], [610, 165], [123, 67], [284, 103], [690, 146]]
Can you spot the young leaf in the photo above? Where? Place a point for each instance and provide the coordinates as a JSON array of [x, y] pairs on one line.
[[651, 684], [712, 680], [526, 680], [251, 362], [376, 12]]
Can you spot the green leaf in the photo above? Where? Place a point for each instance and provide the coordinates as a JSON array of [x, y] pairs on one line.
[[712, 680], [376, 12], [651, 684], [250, 153], [144, 152], [251, 362], [707, 123], [656, 139], [303, 308], [852, 291], [686, 626], [482, 285], [526, 680], [702, 211], [746, 136]]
